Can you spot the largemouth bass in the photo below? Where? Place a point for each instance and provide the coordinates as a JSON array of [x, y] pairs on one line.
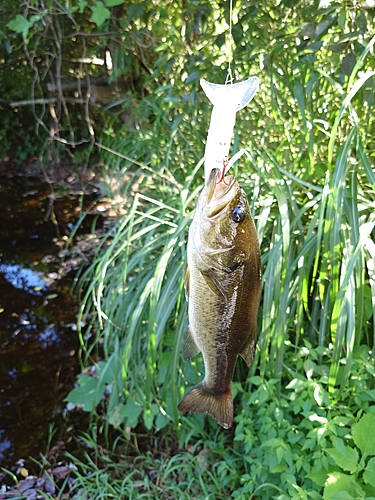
[[223, 288]]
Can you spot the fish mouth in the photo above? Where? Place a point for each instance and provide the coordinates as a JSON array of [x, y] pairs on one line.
[[219, 193]]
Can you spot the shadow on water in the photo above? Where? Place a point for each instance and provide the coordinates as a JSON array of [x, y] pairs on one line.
[[38, 341]]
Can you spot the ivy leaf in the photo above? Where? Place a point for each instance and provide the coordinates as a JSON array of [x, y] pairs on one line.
[[35, 18], [364, 435], [23, 25], [20, 25], [82, 5], [100, 14], [106, 372], [88, 393], [113, 3], [369, 472], [131, 412], [161, 421]]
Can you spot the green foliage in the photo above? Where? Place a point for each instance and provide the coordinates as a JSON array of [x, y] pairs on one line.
[[360, 483], [307, 164], [59, 48], [23, 25], [311, 192], [149, 244], [296, 445], [100, 14]]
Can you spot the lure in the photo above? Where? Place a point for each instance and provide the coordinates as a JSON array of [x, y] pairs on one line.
[[227, 100]]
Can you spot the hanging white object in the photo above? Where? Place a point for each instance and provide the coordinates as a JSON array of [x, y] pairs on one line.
[[227, 100]]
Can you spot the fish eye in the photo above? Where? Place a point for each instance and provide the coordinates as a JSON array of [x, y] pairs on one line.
[[238, 214]]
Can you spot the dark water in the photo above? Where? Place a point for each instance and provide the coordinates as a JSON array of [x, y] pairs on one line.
[[38, 341]]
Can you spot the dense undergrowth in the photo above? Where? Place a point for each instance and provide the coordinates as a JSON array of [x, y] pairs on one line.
[[304, 411], [286, 446]]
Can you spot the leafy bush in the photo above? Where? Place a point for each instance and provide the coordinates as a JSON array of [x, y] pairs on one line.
[[292, 445], [298, 445]]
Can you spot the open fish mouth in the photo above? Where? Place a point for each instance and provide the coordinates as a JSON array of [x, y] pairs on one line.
[[219, 194]]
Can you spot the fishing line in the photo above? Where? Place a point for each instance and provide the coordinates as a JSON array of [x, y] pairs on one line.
[[229, 78]]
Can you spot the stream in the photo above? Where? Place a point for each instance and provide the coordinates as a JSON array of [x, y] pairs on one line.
[[38, 338]]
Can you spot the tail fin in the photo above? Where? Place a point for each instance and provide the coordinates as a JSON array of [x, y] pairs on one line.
[[237, 94], [202, 400]]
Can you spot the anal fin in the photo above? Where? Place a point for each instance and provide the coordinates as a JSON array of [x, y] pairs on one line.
[[247, 353], [190, 348]]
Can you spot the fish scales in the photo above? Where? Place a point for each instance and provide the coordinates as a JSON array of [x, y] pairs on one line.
[[223, 287]]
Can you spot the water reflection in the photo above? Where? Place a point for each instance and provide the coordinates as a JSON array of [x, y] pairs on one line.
[[22, 278], [38, 346], [5, 445]]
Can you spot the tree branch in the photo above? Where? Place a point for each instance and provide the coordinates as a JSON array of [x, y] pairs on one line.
[[16, 104]]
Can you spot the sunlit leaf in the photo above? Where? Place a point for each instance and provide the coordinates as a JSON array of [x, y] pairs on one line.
[[20, 25], [344, 456], [339, 485], [364, 435], [100, 14], [369, 472]]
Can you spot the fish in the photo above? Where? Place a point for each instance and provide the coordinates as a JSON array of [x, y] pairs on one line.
[[223, 288]]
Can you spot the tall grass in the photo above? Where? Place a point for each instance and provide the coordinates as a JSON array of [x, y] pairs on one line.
[[318, 263], [316, 256], [135, 289], [308, 172]]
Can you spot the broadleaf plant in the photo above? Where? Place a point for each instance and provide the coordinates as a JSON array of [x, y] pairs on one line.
[[360, 482]]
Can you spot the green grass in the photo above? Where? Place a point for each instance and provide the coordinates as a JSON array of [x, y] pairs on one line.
[[315, 322], [287, 446]]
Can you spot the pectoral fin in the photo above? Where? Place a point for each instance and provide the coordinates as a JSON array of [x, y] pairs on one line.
[[214, 282], [190, 348], [247, 353]]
